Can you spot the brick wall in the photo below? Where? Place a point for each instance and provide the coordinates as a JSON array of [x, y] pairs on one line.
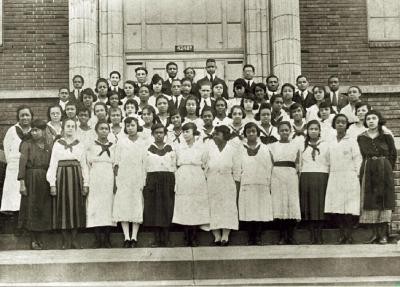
[[35, 44], [9, 107], [334, 40]]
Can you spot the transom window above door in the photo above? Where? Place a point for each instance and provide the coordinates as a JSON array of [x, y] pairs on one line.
[[159, 26]]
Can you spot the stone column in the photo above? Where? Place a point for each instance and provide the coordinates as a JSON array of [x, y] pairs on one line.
[[257, 37], [111, 37], [83, 40], [285, 35]]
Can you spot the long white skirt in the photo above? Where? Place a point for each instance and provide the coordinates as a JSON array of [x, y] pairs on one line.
[[255, 203], [11, 198]]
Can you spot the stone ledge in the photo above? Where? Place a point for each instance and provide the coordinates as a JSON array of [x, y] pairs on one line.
[[201, 264], [27, 94]]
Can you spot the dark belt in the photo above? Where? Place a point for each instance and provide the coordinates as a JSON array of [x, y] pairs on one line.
[[376, 157], [63, 163], [285, 164]]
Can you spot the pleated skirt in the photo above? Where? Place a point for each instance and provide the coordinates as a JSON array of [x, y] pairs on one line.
[[69, 207], [159, 198]]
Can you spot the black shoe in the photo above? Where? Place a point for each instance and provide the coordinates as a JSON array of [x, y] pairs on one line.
[[133, 243], [126, 244], [349, 240], [224, 243], [383, 240], [195, 243], [215, 243]]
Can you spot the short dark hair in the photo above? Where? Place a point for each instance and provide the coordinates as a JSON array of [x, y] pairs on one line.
[[39, 124], [381, 119], [338, 116], [294, 107], [82, 109], [274, 97], [191, 126], [88, 92], [282, 123], [262, 107], [54, 106], [158, 126], [249, 66], [115, 72], [208, 109], [333, 76], [361, 104], [128, 120], [78, 76], [171, 64], [210, 60], [301, 76], [237, 107], [100, 123], [250, 125], [100, 104], [100, 80], [270, 77], [226, 132], [189, 68], [155, 79], [141, 69], [131, 102]]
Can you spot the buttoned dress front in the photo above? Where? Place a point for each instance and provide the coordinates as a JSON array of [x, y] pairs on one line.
[[191, 196], [223, 169], [343, 190]]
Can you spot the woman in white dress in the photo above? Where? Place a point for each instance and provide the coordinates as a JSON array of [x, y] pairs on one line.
[[130, 179], [191, 196], [100, 158], [116, 126], [343, 191], [285, 183], [223, 175], [255, 203], [11, 198]]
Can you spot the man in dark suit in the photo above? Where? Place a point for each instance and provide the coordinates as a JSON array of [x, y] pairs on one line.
[[303, 96], [205, 96], [115, 78], [172, 71], [77, 82], [141, 74], [177, 101], [335, 98], [272, 86], [248, 75], [211, 67]]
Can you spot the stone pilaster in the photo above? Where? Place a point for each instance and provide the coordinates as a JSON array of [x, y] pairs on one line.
[[257, 37], [83, 40], [111, 37], [285, 35]]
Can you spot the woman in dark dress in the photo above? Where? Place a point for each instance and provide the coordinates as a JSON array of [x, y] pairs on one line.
[[377, 183], [159, 191], [35, 211]]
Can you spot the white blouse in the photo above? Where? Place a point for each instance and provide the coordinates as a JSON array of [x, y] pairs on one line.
[[160, 159], [61, 152], [321, 161]]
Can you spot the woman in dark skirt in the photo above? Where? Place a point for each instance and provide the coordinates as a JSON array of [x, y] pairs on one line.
[[68, 178], [377, 183], [314, 167], [158, 193], [35, 210]]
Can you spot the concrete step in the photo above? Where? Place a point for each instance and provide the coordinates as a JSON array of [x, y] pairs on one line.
[[86, 239], [302, 265]]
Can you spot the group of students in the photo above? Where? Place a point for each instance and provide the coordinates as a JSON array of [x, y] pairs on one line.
[[189, 153]]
